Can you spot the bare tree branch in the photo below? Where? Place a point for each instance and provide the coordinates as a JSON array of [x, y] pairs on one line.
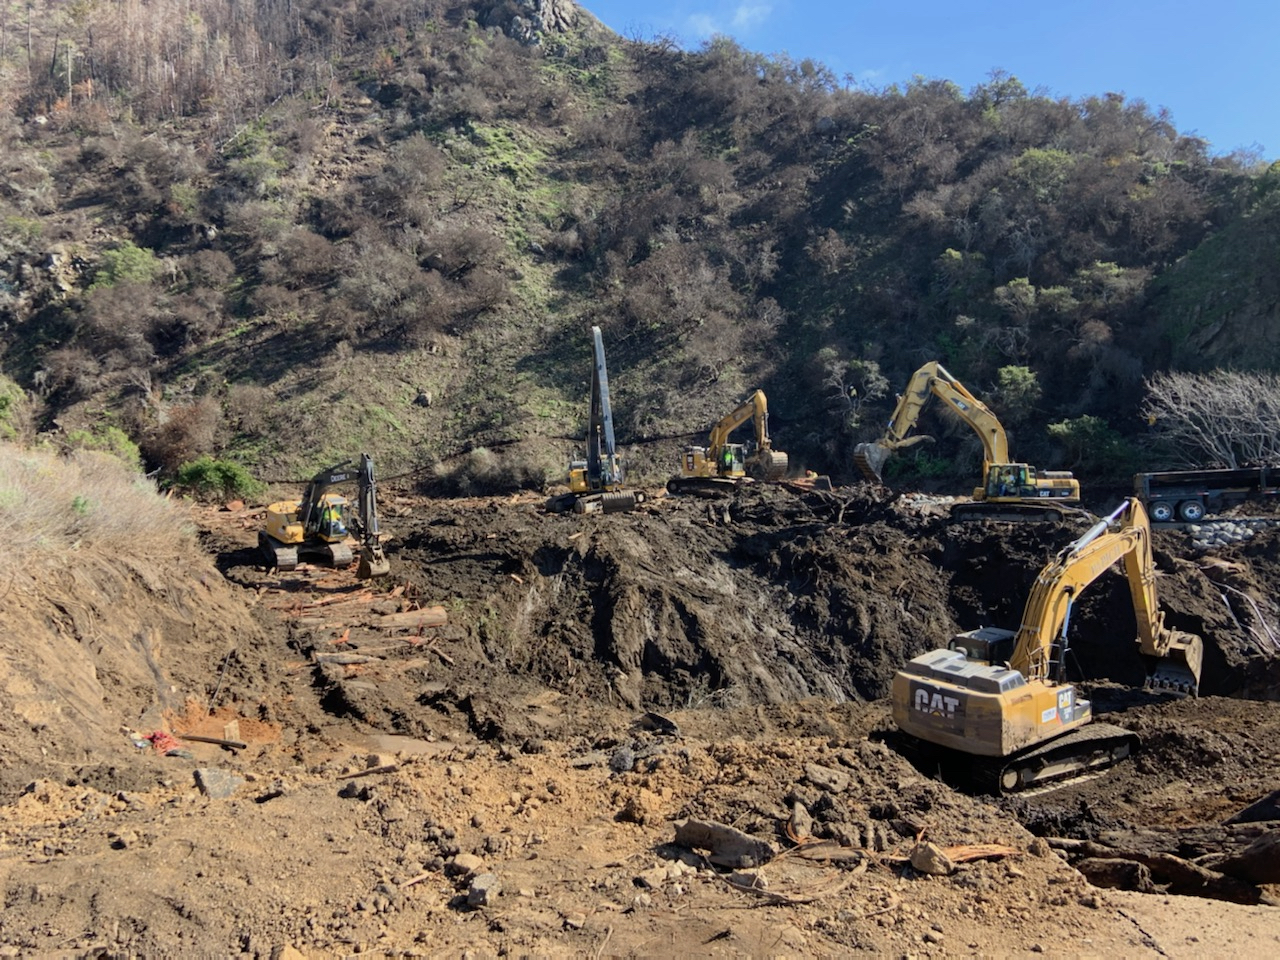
[[1224, 417]]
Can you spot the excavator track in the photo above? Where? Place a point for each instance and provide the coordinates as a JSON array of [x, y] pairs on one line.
[[1011, 512], [277, 555], [1089, 748]]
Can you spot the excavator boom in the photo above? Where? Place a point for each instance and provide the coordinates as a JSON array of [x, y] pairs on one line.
[[932, 380], [1176, 657]]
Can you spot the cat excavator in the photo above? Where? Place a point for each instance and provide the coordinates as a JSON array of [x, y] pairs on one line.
[[999, 701], [595, 482], [1009, 491], [317, 525], [721, 465]]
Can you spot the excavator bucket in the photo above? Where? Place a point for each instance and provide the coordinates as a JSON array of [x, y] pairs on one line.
[[869, 458], [1178, 671], [373, 563], [770, 465]]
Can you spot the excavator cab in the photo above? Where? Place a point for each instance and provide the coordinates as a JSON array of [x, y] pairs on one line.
[[330, 525]]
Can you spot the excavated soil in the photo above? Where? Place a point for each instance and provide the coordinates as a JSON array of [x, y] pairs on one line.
[[491, 749]]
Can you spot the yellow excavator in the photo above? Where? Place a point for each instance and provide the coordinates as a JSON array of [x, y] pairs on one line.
[[721, 465], [595, 481], [999, 700], [317, 525], [1009, 491]]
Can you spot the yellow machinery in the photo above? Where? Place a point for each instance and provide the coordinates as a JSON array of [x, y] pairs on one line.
[[721, 464], [1000, 700], [1009, 491], [595, 483], [316, 525]]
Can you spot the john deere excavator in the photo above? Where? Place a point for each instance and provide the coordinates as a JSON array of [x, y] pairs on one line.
[[1009, 491], [1000, 701], [721, 465], [595, 483], [317, 525]]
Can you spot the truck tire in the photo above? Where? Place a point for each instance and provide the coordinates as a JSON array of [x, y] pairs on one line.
[[1161, 511], [1189, 511]]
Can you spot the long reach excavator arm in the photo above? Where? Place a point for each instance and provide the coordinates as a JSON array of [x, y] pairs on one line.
[[999, 700], [595, 483]]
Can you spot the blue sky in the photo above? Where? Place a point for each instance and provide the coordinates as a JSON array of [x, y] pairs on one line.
[[1214, 65]]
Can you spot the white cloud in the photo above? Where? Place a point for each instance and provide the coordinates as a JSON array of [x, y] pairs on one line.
[[703, 25], [749, 15]]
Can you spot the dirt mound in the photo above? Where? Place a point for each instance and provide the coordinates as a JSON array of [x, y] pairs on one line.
[[494, 746]]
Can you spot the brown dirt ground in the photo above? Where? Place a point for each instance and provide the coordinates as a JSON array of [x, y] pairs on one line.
[[380, 751]]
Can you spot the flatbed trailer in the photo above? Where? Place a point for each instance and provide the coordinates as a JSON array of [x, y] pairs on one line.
[[1191, 495]]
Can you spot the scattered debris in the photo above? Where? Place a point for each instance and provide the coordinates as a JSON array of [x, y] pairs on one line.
[[729, 846]]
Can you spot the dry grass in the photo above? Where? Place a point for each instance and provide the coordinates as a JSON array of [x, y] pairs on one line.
[[53, 506]]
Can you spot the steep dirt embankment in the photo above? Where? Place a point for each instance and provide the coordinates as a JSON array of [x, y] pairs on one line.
[[98, 644]]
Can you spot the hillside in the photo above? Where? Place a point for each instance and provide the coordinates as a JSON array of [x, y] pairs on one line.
[[389, 227]]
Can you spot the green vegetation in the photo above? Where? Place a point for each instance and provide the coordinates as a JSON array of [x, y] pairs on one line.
[[210, 478], [107, 439], [126, 263], [13, 409], [271, 264], [1094, 447]]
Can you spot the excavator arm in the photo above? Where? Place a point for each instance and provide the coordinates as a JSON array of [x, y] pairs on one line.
[[373, 562], [604, 467], [1045, 619], [765, 463], [933, 380]]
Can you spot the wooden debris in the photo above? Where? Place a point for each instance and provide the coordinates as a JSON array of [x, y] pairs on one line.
[[344, 659], [370, 771], [233, 744], [729, 847], [811, 894], [1259, 862], [426, 617], [1180, 877]]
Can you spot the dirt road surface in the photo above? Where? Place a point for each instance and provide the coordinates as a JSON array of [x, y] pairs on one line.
[[495, 748]]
